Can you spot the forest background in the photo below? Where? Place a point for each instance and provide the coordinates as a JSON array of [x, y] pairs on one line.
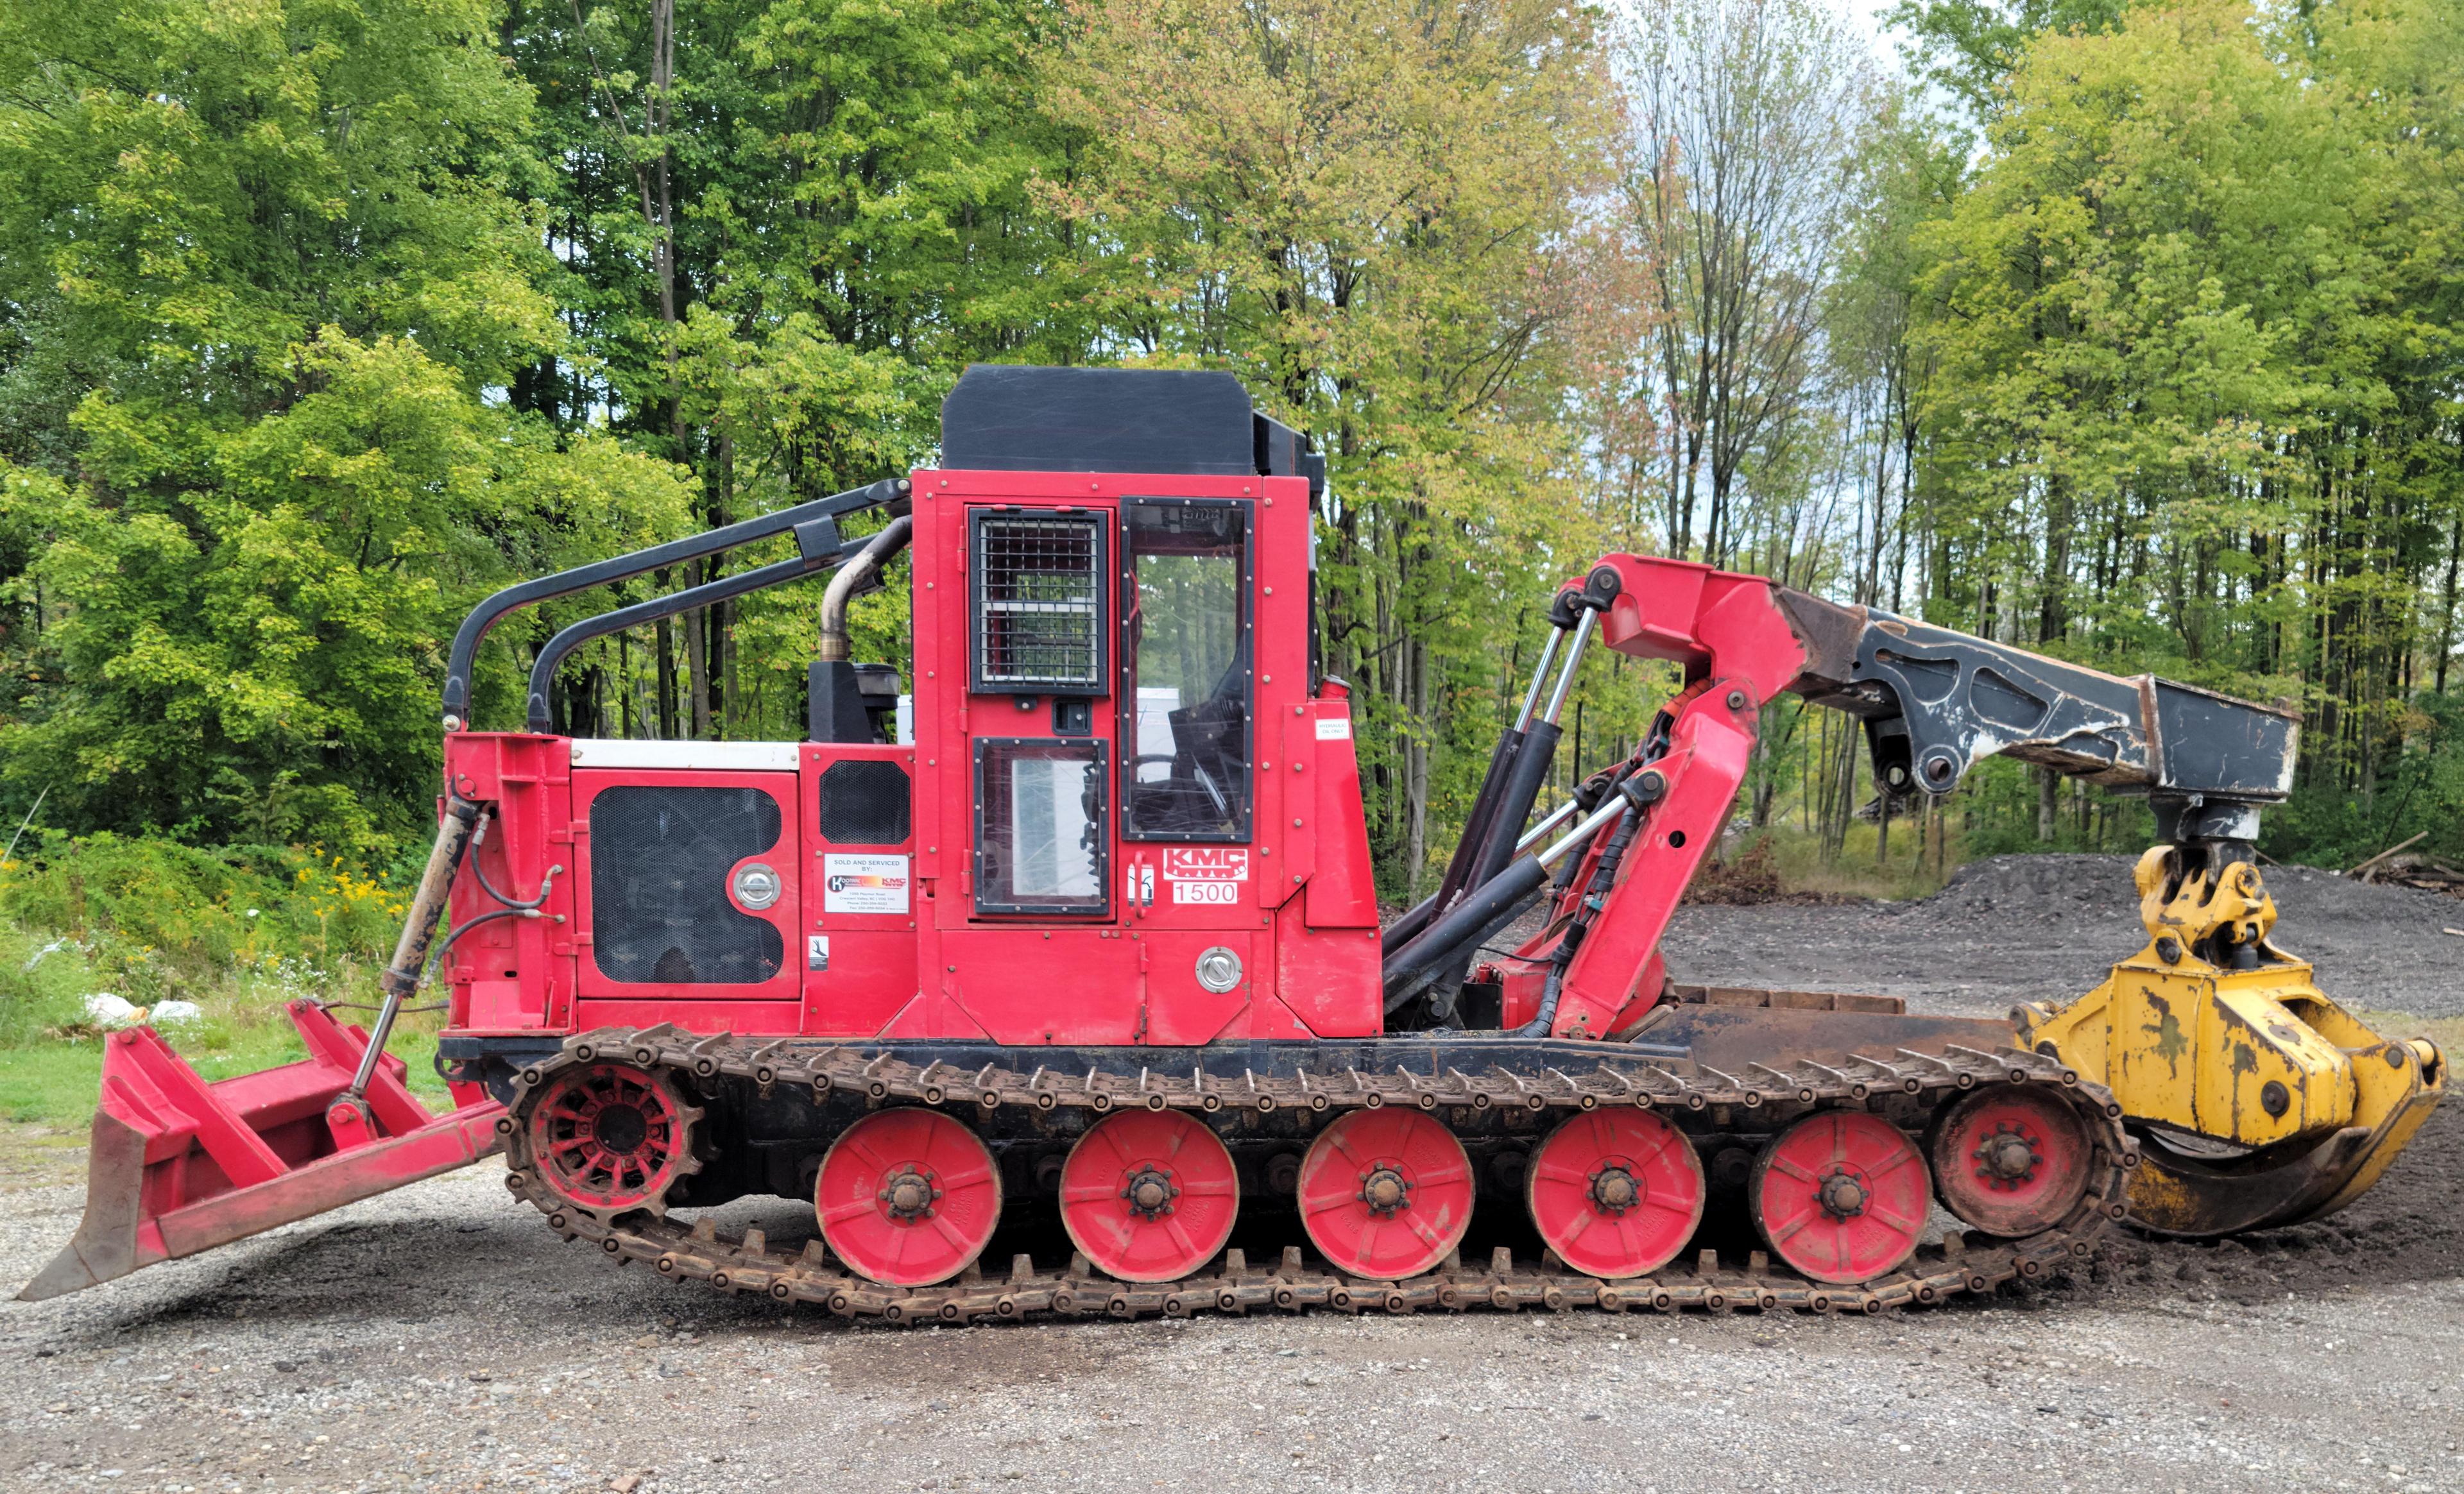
[[2126, 332]]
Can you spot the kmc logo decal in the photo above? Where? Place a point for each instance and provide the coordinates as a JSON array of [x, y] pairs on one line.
[[1206, 863]]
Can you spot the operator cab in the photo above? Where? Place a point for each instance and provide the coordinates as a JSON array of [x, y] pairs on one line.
[[1118, 733]]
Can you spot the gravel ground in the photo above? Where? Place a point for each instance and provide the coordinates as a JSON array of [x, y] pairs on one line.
[[439, 1338], [2013, 928]]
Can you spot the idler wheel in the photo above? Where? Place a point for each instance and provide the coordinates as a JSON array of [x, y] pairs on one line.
[[908, 1197], [1617, 1194], [2012, 1160], [610, 1137], [1841, 1196], [1149, 1196], [1385, 1194]]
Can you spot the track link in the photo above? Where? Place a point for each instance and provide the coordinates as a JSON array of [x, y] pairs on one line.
[[748, 1264]]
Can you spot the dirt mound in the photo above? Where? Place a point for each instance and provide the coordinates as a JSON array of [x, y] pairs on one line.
[[1745, 880], [2047, 928]]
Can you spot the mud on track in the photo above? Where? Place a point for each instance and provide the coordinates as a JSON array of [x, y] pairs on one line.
[[440, 1338]]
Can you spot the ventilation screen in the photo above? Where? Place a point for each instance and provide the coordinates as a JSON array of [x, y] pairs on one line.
[[863, 803], [659, 864], [1039, 596]]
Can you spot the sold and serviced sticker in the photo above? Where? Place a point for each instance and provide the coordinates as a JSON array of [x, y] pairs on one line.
[[1207, 874], [864, 883], [1334, 728]]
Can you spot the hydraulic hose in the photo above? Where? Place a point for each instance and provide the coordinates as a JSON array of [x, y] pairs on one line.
[[478, 837], [1603, 875]]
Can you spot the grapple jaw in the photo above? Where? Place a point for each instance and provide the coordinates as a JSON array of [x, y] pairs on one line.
[[177, 1165], [2263, 1103]]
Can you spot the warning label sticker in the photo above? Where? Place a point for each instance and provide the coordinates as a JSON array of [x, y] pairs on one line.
[[864, 883], [1334, 728], [1206, 863]]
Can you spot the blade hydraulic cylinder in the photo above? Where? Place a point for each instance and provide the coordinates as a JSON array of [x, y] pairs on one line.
[[418, 929]]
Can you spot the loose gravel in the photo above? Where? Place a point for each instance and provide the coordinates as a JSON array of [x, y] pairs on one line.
[[2044, 927], [439, 1338]]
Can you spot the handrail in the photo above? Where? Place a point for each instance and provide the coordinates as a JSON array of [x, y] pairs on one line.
[[815, 525], [809, 559]]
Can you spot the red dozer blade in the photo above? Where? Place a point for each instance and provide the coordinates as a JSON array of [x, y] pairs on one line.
[[177, 1165]]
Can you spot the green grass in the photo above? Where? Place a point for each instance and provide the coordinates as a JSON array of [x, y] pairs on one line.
[[51, 1056]]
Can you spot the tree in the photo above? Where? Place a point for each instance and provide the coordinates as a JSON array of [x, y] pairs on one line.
[[1968, 47], [786, 226], [1367, 209], [260, 271], [1744, 118], [2191, 398]]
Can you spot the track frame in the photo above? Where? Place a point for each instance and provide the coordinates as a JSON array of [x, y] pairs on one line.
[[1909, 1089]]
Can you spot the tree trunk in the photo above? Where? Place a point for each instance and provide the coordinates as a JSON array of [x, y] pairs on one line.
[[1415, 770]]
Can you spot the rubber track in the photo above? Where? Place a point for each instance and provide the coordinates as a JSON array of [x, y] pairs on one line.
[[747, 1265]]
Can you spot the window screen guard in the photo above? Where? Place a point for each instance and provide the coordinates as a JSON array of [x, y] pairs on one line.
[[1043, 839], [1188, 697], [1038, 601]]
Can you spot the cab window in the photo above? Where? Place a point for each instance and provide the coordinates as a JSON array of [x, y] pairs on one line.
[[1187, 696]]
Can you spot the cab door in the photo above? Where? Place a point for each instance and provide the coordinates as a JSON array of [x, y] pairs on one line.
[[691, 892], [1190, 877]]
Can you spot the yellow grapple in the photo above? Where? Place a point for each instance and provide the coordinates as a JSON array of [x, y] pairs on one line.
[[2267, 1102]]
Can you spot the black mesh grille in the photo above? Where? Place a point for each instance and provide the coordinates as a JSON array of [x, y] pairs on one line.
[[659, 862], [1039, 602], [863, 803]]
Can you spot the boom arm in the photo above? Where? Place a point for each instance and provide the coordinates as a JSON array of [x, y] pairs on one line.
[[1935, 703]]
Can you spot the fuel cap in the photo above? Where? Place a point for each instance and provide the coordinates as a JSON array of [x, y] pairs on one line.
[[755, 885], [1219, 970]]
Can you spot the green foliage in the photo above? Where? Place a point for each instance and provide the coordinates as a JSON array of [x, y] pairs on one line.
[[317, 322], [164, 913], [280, 246], [1970, 46], [2191, 409]]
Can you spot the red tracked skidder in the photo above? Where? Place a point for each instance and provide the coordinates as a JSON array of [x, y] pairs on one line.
[[1092, 970]]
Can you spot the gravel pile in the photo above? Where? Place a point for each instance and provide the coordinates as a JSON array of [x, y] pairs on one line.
[[2048, 927]]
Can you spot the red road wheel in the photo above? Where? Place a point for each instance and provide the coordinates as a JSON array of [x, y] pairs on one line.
[[1841, 1196], [610, 1137], [1149, 1196], [1385, 1194], [1616, 1193], [2012, 1160], [908, 1197]]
